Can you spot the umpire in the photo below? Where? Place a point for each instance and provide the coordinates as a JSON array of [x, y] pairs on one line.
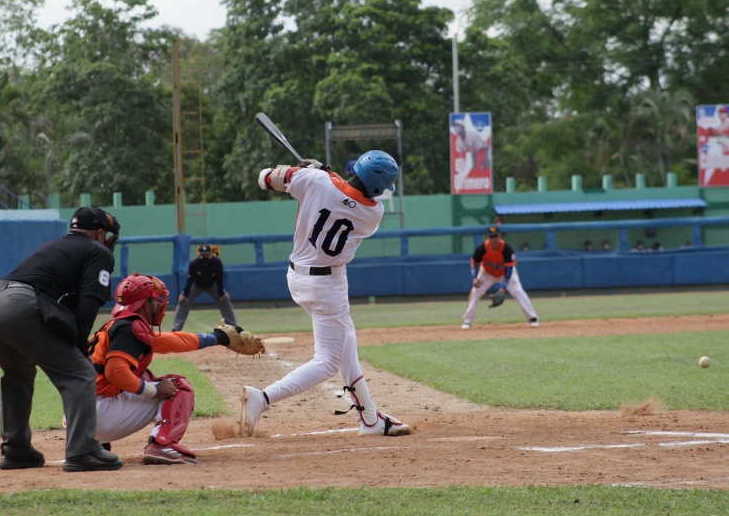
[[205, 274], [48, 305]]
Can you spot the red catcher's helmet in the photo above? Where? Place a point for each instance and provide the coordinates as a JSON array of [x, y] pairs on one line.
[[133, 291]]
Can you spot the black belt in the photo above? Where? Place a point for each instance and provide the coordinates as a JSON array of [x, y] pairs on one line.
[[313, 271]]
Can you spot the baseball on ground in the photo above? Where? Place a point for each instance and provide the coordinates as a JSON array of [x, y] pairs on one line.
[[704, 361]]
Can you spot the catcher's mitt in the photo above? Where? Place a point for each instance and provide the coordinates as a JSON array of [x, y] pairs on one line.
[[241, 341], [497, 299]]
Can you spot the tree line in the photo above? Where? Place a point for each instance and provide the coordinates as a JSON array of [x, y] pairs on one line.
[[586, 87]]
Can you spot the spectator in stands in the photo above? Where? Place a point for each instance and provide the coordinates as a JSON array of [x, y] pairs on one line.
[[587, 246], [656, 246], [524, 247], [639, 247], [605, 245], [686, 244]]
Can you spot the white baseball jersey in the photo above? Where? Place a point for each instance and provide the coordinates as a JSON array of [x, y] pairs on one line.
[[332, 220]]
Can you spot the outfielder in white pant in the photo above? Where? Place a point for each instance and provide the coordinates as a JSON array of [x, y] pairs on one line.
[[493, 267], [484, 280], [333, 218]]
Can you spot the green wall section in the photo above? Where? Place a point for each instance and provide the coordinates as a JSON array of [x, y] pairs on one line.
[[421, 212]]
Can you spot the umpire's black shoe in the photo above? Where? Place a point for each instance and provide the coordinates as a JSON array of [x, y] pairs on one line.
[[99, 460], [14, 458]]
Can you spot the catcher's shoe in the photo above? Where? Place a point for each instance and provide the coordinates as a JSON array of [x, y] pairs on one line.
[[386, 425], [534, 322], [254, 404], [157, 454]]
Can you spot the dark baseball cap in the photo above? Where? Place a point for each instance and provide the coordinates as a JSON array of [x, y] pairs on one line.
[[492, 231], [94, 218], [204, 248]]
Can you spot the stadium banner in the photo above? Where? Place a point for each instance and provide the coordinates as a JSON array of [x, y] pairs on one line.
[[712, 128], [470, 159]]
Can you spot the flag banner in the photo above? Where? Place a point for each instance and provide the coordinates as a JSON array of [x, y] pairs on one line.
[[712, 127], [470, 139]]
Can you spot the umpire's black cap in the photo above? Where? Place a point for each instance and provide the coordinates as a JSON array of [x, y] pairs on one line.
[[94, 218], [204, 248]]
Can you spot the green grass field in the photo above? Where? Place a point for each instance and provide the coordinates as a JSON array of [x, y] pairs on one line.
[[453, 501], [563, 373], [417, 312]]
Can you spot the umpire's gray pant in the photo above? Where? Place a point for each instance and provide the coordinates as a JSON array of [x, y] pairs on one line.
[[26, 343], [224, 305]]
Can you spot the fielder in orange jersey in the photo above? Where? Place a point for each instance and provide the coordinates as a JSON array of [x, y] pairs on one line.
[[493, 268], [128, 395]]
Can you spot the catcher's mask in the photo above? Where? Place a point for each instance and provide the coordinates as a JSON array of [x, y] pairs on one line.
[[133, 292]]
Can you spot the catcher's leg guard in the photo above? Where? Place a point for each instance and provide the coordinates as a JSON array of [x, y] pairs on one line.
[[175, 416]]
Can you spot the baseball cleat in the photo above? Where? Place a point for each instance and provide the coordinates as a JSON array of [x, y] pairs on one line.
[[466, 326], [255, 404], [534, 322], [157, 454], [386, 425]]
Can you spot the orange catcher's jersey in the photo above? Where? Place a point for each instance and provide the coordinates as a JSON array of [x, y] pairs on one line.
[[332, 220]]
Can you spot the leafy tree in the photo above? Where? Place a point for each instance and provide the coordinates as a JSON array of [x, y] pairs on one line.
[[115, 114]]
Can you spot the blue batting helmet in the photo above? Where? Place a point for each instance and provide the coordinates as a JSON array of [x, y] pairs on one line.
[[377, 171]]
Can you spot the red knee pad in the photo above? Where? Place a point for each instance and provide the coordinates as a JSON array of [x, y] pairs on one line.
[[176, 412]]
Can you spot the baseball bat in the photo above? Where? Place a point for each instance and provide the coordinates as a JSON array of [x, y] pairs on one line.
[[276, 134]]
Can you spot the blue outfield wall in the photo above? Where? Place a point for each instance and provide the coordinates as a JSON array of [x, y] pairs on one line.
[[401, 273]]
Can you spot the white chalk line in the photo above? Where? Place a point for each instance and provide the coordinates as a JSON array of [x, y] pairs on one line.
[[560, 449], [666, 433], [466, 438], [318, 432], [342, 450], [710, 438]]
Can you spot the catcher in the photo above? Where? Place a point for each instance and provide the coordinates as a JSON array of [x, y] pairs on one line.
[[128, 395]]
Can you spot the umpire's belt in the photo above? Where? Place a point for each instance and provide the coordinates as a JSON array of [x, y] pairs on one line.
[[311, 271]]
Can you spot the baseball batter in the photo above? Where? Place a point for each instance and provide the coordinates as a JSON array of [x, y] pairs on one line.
[[493, 268], [334, 217], [128, 395]]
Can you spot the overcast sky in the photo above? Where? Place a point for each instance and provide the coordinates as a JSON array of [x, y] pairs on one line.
[[195, 17]]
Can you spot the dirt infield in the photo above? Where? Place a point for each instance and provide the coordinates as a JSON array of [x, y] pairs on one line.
[[455, 442]]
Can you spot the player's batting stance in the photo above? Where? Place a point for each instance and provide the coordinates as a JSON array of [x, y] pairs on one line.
[[334, 217], [128, 395]]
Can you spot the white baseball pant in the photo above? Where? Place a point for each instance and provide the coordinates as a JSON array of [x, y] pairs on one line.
[[122, 415], [513, 287], [326, 300]]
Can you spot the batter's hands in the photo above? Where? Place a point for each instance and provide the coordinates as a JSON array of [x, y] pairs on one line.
[[477, 282], [182, 298], [310, 163], [166, 389]]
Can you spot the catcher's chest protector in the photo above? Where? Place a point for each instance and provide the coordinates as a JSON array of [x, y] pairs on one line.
[[101, 342]]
